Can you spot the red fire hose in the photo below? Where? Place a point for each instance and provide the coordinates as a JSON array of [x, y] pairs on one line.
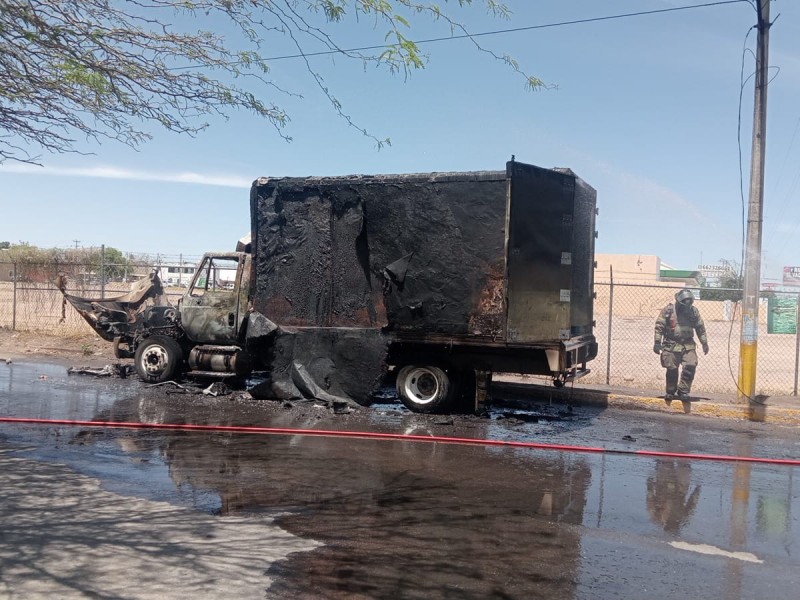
[[394, 436]]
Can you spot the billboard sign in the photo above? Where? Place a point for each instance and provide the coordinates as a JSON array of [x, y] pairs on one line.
[[791, 276]]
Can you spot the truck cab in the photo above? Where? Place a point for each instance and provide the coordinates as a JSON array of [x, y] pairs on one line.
[[213, 309], [211, 325]]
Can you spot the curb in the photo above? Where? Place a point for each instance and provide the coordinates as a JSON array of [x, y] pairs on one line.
[[759, 413], [754, 412]]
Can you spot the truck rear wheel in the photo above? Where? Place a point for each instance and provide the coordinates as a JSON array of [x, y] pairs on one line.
[[157, 359], [425, 389]]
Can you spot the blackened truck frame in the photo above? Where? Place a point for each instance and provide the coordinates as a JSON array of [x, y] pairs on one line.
[[439, 279]]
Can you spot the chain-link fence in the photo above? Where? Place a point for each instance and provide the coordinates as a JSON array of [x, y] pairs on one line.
[[30, 299], [625, 316]]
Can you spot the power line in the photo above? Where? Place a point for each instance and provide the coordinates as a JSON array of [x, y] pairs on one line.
[[494, 32], [515, 29]]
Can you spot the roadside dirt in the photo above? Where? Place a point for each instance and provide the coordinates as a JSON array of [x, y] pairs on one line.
[[84, 350]]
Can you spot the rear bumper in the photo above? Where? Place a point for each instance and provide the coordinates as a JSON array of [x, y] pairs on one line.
[[566, 358]]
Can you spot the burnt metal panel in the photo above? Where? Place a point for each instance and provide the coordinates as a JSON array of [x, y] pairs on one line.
[[122, 316], [582, 263], [453, 232], [345, 363], [292, 255], [549, 261], [325, 250]]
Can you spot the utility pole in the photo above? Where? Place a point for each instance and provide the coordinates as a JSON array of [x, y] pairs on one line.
[[752, 262]]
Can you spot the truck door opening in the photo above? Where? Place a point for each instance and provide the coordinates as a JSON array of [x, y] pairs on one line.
[[210, 310]]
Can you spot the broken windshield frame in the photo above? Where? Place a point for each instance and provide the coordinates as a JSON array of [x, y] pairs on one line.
[[216, 274]]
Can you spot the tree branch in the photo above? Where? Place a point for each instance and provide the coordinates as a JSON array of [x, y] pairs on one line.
[[111, 69]]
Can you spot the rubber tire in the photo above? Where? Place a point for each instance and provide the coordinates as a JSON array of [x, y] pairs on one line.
[[157, 359], [425, 388]]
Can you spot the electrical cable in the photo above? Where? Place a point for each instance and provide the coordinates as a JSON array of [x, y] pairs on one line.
[[742, 82], [396, 437], [307, 55], [516, 29]]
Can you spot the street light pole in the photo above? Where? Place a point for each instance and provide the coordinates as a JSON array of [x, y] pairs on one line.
[[752, 261]]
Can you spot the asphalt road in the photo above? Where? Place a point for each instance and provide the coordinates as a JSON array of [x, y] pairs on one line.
[[111, 513]]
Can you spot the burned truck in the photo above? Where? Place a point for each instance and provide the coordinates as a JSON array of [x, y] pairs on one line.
[[437, 280]]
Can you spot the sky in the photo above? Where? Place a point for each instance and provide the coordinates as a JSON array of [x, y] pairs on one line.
[[646, 109]]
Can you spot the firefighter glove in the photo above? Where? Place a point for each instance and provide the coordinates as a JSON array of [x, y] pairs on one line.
[[705, 348], [657, 347]]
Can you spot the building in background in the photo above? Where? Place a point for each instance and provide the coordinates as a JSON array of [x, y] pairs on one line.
[[714, 273], [644, 269], [178, 274], [791, 276]]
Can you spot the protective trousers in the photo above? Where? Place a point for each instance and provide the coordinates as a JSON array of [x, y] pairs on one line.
[[684, 362]]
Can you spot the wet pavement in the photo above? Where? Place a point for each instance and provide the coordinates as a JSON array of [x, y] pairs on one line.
[[92, 512]]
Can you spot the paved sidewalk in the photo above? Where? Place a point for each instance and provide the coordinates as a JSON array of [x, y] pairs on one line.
[[784, 410]]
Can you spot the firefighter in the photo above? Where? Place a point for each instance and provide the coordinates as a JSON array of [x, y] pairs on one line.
[[674, 341]]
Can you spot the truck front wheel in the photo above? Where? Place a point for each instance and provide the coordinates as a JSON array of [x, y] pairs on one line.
[[424, 389], [157, 359]]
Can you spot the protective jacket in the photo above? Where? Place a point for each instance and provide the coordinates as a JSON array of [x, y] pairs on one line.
[[677, 328]]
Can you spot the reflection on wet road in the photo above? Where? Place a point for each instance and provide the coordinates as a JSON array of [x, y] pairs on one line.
[[417, 520]]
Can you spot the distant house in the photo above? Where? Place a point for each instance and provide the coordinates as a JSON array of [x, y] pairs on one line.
[[176, 274]]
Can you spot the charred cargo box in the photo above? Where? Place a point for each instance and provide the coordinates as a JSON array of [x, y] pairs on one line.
[[464, 273]]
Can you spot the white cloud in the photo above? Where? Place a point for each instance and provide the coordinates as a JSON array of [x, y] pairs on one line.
[[105, 172]]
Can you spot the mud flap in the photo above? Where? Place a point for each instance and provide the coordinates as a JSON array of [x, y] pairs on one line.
[[553, 359], [483, 381]]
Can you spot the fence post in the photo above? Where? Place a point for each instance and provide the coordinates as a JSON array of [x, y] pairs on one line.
[[14, 302], [610, 318], [102, 271], [796, 342]]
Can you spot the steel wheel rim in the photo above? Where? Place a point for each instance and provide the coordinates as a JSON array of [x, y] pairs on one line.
[[154, 359], [421, 385]]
